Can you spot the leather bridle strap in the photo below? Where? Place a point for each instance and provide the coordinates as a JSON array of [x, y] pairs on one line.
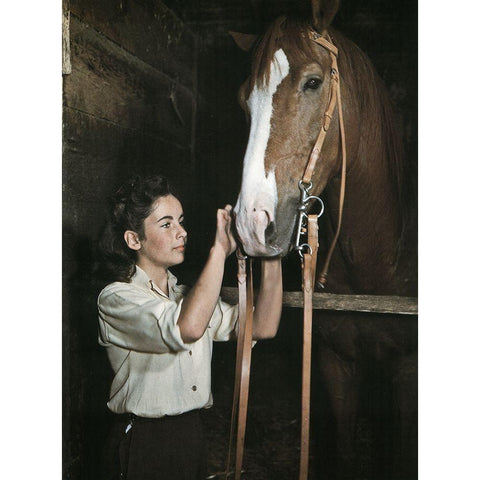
[[308, 266], [309, 259], [245, 290], [327, 116], [243, 360], [335, 97]]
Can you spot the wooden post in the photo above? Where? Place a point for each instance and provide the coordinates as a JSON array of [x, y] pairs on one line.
[[66, 63]]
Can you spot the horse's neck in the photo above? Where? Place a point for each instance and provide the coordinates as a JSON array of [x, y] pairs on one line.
[[366, 256]]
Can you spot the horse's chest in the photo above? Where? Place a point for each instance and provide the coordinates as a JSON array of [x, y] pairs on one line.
[[360, 335]]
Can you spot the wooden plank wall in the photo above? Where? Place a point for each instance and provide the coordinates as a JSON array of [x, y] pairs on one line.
[[129, 105]]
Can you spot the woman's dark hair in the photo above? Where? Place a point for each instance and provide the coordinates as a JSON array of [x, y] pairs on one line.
[[130, 206]]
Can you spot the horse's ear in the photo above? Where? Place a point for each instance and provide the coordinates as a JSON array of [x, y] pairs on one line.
[[323, 12], [244, 41]]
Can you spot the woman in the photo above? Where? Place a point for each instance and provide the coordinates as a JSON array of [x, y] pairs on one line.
[[158, 335]]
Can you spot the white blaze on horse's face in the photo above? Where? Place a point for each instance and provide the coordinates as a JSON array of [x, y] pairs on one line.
[[255, 208]]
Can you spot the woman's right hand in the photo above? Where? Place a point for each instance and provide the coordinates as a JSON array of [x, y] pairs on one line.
[[224, 237]]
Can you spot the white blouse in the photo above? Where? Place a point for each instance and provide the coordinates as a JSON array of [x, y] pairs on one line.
[[155, 372]]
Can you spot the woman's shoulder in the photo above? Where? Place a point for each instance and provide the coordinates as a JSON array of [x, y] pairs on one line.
[[120, 289]]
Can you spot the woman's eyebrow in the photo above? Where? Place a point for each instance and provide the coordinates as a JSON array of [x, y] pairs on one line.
[[169, 217]]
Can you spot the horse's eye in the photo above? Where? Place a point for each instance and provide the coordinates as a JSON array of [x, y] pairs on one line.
[[312, 84]]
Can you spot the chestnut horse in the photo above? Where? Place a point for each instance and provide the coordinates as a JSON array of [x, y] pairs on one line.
[[285, 97]]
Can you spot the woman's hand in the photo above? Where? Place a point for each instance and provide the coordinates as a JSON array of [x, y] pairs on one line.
[[224, 237]]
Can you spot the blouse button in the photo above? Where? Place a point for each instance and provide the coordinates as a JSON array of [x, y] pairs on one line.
[[190, 352], [194, 388]]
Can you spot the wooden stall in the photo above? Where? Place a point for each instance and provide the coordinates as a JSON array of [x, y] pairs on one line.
[[150, 86]]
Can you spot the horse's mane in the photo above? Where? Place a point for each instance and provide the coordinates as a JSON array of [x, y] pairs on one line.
[[358, 74]]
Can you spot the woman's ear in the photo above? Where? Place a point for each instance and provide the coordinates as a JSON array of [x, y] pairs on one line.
[[132, 240]]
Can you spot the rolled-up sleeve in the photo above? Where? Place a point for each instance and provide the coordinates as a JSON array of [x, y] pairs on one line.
[[224, 321], [131, 319]]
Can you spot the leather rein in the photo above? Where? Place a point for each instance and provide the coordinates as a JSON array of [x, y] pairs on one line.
[[307, 225]]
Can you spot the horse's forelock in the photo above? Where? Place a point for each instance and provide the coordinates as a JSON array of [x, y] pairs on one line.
[[287, 33]]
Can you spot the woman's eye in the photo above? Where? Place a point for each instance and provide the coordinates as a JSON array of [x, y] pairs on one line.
[[312, 84], [166, 225]]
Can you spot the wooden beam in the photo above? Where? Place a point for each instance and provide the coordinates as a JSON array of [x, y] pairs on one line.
[[346, 303]]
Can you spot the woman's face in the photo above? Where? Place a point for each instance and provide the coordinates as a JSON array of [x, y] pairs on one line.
[[163, 245]]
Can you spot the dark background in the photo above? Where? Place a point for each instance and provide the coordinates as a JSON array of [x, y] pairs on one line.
[[152, 89]]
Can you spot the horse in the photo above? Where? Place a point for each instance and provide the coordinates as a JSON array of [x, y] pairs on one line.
[[285, 98]]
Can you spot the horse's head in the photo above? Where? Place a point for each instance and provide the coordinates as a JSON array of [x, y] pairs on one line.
[[285, 97]]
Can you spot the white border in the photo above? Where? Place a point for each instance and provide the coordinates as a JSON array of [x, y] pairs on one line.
[[30, 201], [449, 158], [31, 106]]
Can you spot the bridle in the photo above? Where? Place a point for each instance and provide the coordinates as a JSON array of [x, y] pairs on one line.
[[307, 225], [305, 184]]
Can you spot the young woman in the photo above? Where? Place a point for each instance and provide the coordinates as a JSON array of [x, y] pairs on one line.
[[158, 335]]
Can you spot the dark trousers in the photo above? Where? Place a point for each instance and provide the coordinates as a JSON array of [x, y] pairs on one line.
[[168, 448]]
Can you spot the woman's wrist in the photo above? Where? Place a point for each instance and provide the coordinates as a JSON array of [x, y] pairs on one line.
[[218, 252]]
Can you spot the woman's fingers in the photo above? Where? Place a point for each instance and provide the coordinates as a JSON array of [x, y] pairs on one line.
[[225, 214], [224, 228]]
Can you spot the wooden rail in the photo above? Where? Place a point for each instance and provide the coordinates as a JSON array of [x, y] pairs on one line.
[[346, 303]]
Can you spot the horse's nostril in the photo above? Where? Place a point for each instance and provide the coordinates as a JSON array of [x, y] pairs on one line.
[[270, 232]]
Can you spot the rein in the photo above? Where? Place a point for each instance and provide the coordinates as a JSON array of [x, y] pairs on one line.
[[307, 225]]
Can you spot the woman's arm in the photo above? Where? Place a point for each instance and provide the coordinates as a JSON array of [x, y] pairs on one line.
[[199, 304], [268, 306]]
